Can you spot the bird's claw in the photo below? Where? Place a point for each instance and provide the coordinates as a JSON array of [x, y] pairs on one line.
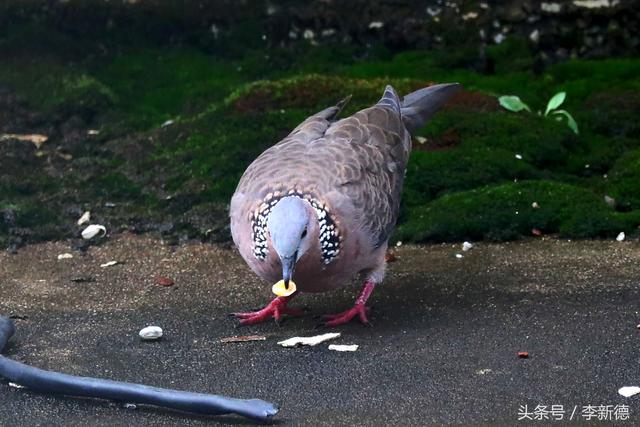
[[275, 309], [344, 317]]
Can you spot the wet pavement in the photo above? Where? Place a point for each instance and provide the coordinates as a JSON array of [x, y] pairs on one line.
[[443, 348]]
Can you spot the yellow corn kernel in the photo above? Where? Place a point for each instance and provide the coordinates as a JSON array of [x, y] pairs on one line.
[[281, 291]]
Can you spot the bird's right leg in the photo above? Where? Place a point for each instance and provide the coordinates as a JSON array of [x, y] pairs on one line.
[[275, 309]]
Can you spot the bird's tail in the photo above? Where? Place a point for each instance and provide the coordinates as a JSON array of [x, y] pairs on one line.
[[418, 107]]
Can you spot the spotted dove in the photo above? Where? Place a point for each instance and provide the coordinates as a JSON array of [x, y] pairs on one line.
[[320, 206]]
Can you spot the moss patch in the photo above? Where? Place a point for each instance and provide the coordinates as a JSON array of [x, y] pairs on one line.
[[624, 180], [505, 212]]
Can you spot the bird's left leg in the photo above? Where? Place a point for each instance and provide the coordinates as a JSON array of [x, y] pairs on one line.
[[359, 309]]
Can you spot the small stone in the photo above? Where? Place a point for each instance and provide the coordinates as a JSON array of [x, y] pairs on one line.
[[523, 354], [164, 281], [398, 243], [65, 256], [109, 264], [534, 36], [93, 230], [150, 333], [466, 246], [519, 156], [621, 236], [86, 217], [459, 256], [535, 205], [610, 201], [167, 123], [420, 139]]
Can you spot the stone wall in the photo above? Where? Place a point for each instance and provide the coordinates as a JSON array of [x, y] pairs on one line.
[[553, 29]]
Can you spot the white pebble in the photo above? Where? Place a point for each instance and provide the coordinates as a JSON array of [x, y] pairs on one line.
[[15, 385], [629, 391], [92, 230], [398, 243], [343, 347], [65, 256], [459, 256], [466, 246], [86, 217], [108, 264], [519, 156], [151, 333], [167, 123], [621, 236], [420, 139], [535, 205]]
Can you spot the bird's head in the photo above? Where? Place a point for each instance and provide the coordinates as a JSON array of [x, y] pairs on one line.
[[290, 225]]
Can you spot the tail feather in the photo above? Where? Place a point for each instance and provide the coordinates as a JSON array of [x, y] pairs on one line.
[[390, 99], [418, 107]]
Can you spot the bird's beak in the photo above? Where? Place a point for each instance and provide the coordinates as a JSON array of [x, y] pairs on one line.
[[288, 265]]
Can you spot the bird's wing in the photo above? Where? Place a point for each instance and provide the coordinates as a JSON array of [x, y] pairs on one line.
[[369, 170]]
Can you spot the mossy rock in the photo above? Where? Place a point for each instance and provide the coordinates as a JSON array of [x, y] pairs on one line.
[[315, 92], [540, 141], [57, 89], [614, 114], [624, 181], [432, 174], [505, 212]]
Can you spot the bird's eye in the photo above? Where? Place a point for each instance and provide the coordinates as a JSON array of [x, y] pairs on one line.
[[304, 233]]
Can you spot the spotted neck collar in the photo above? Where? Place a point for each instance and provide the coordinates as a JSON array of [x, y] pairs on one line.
[[329, 236]]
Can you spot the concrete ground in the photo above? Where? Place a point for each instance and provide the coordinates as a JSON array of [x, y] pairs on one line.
[[443, 349]]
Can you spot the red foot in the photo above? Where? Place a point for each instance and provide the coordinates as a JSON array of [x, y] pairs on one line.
[[345, 317], [275, 309]]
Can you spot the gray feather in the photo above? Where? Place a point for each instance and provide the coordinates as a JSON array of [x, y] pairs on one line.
[[419, 106]]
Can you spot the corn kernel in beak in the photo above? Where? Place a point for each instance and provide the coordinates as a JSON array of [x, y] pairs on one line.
[[281, 291]]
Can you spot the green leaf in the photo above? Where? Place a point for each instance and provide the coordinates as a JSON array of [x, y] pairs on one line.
[[513, 103], [555, 101], [570, 120]]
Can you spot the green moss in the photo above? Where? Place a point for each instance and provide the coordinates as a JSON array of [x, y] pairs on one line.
[[624, 181], [540, 141], [612, 113], [116, 186], [57, 89], [157, 85], [314, 92], [505, 212], [513, 54], [431, 174]]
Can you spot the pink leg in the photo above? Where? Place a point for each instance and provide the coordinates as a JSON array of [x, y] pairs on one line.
[[275, 309], [359, 309]]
